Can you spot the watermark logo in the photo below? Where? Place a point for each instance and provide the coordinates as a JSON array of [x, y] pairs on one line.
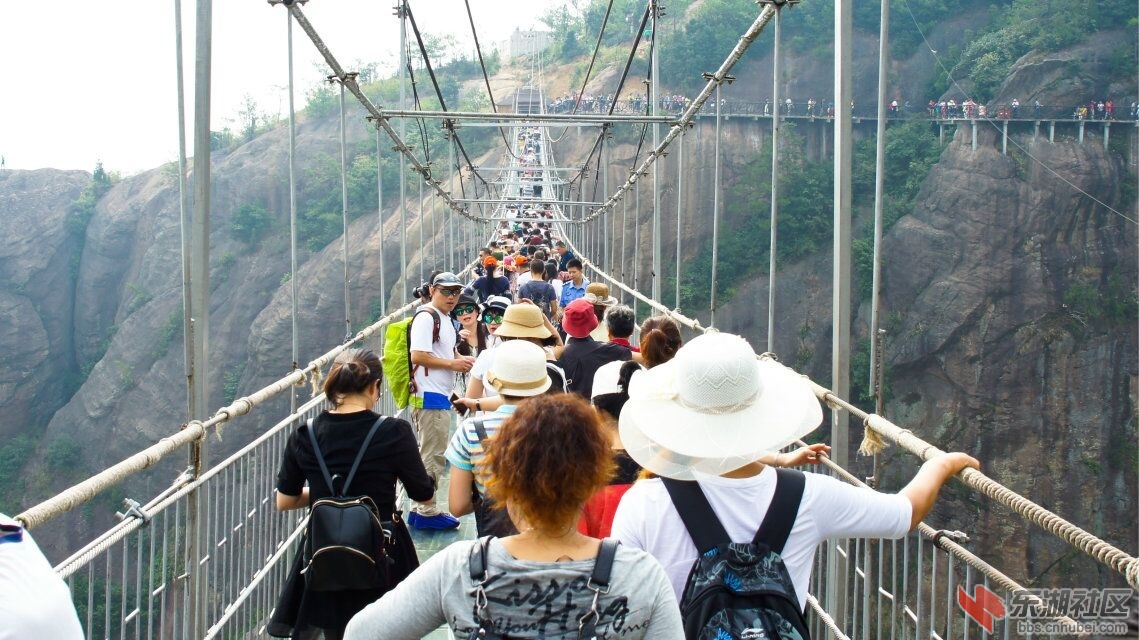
[[985, 607], [1098, 611]]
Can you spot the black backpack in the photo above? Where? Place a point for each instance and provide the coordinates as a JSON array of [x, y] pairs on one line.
[[489, 520], [740, 591], [599, 583], [346, 547]]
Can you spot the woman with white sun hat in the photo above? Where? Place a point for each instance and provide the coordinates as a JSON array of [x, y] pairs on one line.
[[706, 418]]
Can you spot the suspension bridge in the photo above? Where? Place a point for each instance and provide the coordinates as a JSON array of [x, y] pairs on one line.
[[207, 556]]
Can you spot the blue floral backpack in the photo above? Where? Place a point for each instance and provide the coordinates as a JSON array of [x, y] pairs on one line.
[[740, 591]]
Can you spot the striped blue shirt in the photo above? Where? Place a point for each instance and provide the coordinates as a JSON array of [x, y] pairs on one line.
[[465, 451]]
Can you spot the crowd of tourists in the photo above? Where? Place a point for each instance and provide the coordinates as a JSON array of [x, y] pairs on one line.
[[593, 103], [939, 108], [603, 470]]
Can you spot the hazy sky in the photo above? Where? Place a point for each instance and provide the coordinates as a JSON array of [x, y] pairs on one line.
[[82, 81]]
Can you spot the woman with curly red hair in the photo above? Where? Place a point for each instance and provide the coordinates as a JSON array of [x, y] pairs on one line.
[[545, 461]]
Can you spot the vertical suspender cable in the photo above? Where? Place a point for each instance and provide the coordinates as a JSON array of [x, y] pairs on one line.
[[879, 186], [296, 342], [401, 11], [637, 235], [380, 218], [422, 246], [654, 88], [715, 211], [774, 180], [188, 346], [842, 201], [840, 314], [184, 216], [344, 215], [453, 260], [200, 234], [624, 232], [433, 210], [200, 304], [871, 442], [679, 210], [605, 188]]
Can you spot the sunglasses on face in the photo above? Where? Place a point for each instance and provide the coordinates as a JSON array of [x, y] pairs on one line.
[[464, 309], [492, 318], [450, 293]]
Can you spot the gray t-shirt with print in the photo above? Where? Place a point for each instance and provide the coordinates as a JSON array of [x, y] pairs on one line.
[[524, 599]]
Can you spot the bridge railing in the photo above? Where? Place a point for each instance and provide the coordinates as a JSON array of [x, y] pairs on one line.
[[138, 580]]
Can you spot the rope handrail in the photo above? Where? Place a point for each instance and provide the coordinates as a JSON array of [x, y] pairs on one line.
[[181, 486], [83, 491], [968, 557], [1099, 549], [826, 618]]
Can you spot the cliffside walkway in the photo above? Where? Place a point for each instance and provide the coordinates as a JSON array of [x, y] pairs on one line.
[[206, 557]]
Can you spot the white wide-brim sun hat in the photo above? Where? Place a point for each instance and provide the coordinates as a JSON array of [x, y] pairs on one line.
[[713, 408]]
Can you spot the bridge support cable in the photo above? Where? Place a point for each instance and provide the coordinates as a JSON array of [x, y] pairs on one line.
[[184, 214], [841, 268], [624, 234], [438, 92], [636, 235], [344, 207], [380, 118], [200, 283], [679, 212], [380, 219], [654, 96], [775, 121], [293, 283], [422, 244], [715, 214], [452, 248], [401, 147], [485, 76], [695, 106], [869, 445]]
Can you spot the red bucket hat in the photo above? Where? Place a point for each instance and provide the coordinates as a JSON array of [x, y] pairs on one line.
[[579, 318]]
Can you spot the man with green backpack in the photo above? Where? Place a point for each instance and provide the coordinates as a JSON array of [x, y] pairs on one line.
[[431, 363]]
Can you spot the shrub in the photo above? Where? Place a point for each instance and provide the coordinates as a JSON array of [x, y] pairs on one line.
[[249, 223]]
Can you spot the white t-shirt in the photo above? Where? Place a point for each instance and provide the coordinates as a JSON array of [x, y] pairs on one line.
[[34, 601], [647, 519], [482, 365], [434, 379]]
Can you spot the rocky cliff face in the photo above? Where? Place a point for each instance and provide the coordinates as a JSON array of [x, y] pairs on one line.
[[993, 351]]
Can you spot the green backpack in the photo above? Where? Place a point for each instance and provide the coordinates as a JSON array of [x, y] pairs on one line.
[[398, 369]]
